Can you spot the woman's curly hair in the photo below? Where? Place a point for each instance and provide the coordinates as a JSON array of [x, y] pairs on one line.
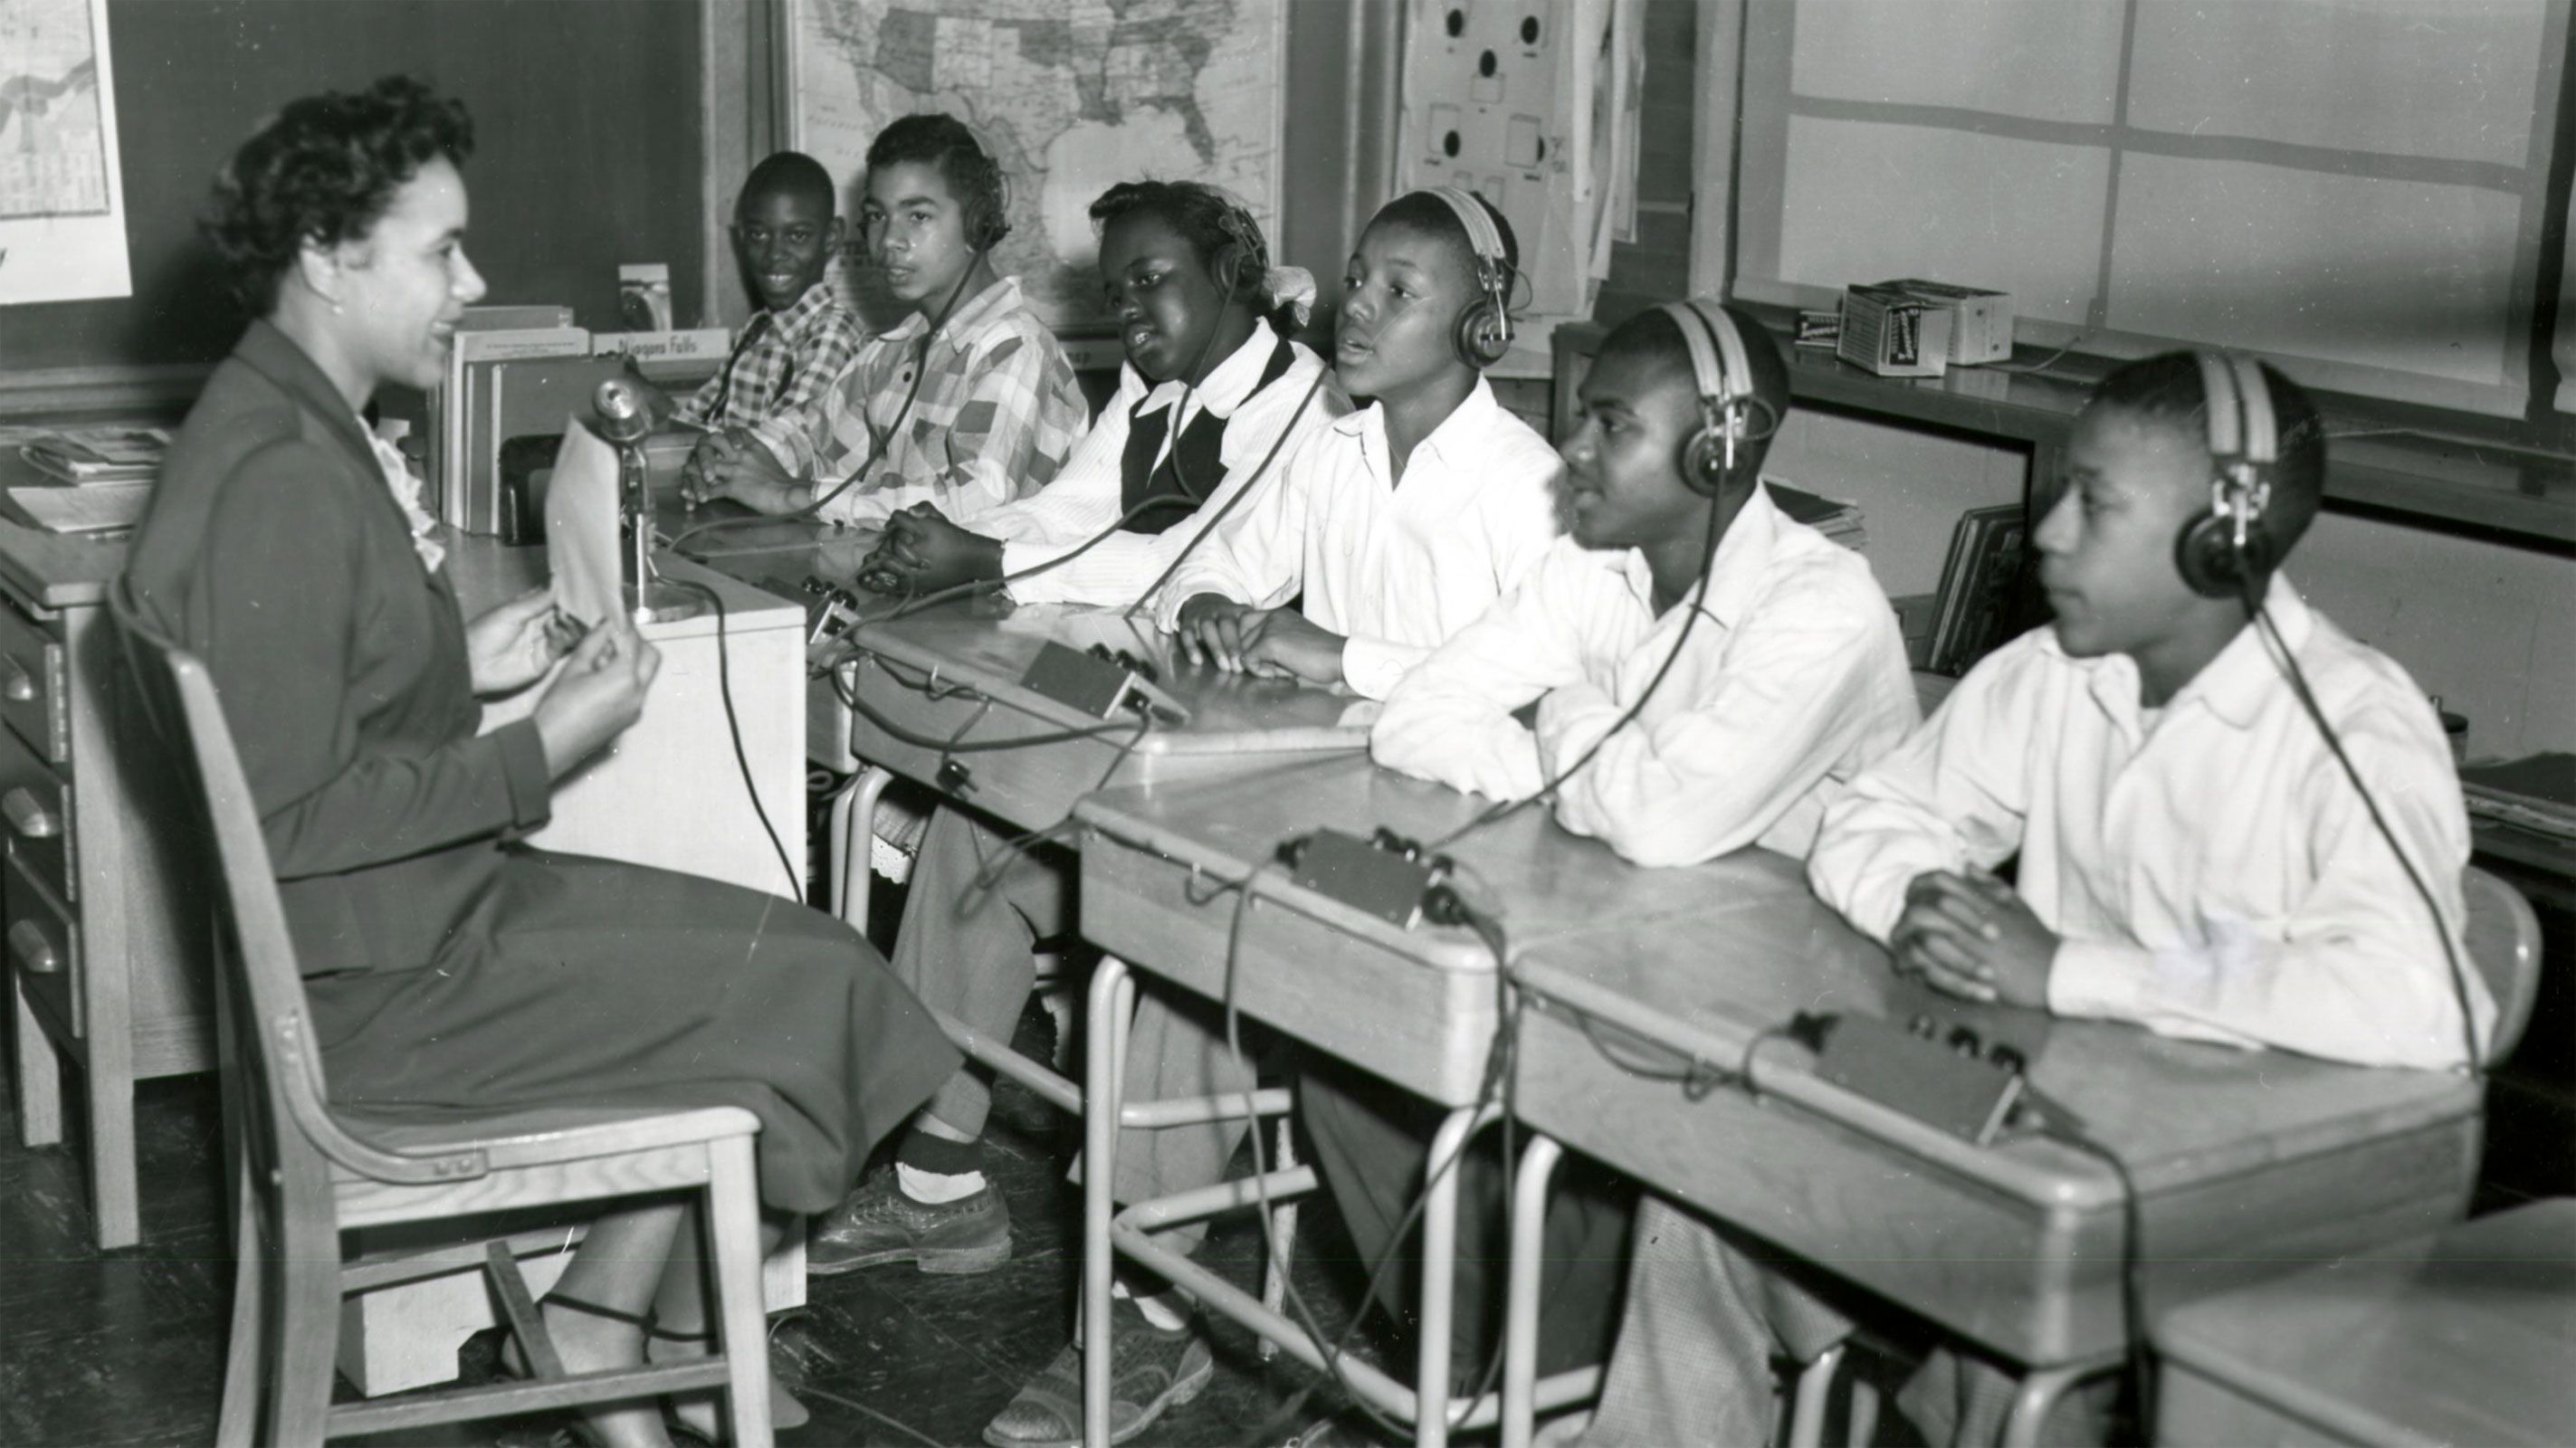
[[323, 170]]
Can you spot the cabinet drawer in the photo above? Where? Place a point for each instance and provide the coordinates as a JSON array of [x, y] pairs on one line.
[[36, 817], [32, 685], [43, 946]]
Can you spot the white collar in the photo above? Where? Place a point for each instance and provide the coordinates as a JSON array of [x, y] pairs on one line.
[[1229, 384]]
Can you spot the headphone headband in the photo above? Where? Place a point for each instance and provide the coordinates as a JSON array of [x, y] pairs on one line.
[[1719, 367], [2241, 427], [1483, 237]]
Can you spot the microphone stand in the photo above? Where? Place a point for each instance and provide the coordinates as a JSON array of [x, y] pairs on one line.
[[650, 597]]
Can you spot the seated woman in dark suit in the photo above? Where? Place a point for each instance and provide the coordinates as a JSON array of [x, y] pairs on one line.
[[446, 965]]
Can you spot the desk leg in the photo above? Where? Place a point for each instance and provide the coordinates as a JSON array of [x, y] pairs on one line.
[[40, 1073], [1520, 1323], [2039, 1393], [1440, 1273], [853, 824], [1112, 1000]]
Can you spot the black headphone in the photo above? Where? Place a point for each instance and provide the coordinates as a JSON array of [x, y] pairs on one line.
[[1251, 252], [1484, 331], [2225, 549], [1722, 374], [988, 195]]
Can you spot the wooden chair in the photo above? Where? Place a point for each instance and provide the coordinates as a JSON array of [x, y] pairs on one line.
[[2504, 949], [305, 1172]]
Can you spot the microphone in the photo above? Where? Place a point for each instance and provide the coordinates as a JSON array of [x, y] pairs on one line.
[[622, 414]]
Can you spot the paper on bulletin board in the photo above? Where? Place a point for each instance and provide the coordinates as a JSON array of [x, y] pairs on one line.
[[1533, 105], [62, 190], [581, 527]]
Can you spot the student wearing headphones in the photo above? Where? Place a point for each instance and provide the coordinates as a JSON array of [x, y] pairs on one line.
[[967, 403], [1708, 674], [2194, 857], [1399, 524], [1403, 521]]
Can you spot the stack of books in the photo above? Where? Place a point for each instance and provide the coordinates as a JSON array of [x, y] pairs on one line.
[[98, 454], [2537, 793], [464, 459], [1838, 521], [1978, 606]]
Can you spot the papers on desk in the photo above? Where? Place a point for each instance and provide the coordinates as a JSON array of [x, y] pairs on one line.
[[2536, 794], [100, 508], [98, 454], [581, 527]]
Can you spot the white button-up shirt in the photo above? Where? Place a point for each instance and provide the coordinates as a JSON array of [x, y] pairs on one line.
[[1394, 568], [1792, 679], [2210, 868], [1087, 496]]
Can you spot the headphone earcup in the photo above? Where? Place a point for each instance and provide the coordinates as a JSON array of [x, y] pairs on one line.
[[1704, 459], [2205, 555], [1484, 337]]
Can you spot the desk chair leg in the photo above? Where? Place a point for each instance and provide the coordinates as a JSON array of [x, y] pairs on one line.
[[1815, 1389], [1864, 1412], [1283, 1233], [40, 1074], [1520, 1321], [852, 825], [733, 1231], [238, 1424], [1112, 1000], [308, 1327], [2038, 1396]]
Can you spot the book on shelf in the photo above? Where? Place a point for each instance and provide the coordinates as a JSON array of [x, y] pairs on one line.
[[1838, 521], [108, 507], [97, 454], [2536, 793], [1976, 611], [453, 405]]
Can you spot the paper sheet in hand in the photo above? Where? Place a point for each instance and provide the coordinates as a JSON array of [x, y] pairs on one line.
[[581, 527]]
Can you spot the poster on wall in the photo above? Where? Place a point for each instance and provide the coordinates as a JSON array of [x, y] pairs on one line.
[[1070, 95], [1533, 105], [62, 198]]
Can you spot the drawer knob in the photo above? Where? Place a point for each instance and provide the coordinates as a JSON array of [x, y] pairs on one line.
[[33, 950], [21, 688], [27, 816]]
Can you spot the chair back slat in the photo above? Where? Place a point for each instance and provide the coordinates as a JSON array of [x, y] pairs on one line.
[[2504, 944], [275, 1031]]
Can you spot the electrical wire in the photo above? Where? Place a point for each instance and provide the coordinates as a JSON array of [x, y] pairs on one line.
[[2278, 649], [849, 697], [1698, 605], [2133, 1308], [733, 727], [878, 441]]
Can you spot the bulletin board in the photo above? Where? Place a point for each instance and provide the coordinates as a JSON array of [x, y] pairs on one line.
[[589, 146]]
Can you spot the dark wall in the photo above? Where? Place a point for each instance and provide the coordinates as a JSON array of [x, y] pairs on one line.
[[588, 134]]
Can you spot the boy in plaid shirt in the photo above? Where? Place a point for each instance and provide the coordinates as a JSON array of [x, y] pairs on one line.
[[966, 404], [794, 348]]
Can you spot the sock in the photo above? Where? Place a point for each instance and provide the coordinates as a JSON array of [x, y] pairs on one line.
[[931, 1188], [1163, 1309], [927, 1151]]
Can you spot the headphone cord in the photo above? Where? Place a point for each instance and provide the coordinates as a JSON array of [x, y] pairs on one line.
[[1697, 603], [2278, 649], [878, 441]]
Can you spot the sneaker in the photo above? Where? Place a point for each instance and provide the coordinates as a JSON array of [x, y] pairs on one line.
[[1154, 1370], [878, 1224]]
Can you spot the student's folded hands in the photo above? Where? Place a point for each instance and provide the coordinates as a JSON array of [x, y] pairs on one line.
[[923, 552], [1969, 933], [1267, 643], [734, 465]]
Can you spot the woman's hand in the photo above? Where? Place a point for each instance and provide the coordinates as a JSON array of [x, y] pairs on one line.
[[512, 645], [735, 465], [922, 552], [599, 694]]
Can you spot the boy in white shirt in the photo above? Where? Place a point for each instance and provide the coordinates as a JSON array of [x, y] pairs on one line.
[[1764, 668], [2193, 857], [1398, 524]]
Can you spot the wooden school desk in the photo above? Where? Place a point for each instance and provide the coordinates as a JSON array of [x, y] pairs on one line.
[[1417, 1007], [2245, 1162], [2464, 1336]]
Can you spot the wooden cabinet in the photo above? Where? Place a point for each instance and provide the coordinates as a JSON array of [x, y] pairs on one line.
[[104, 979]]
